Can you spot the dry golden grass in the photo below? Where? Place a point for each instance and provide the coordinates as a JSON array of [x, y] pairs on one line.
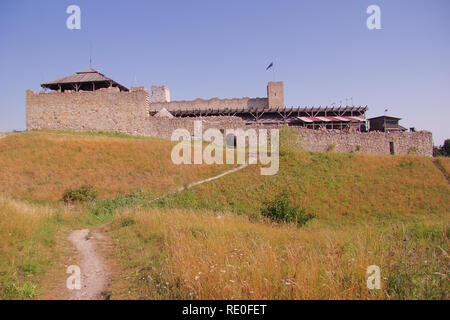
[[332, 185], [182, 254], [444, 162], [390, 211], [41, 165], [27, 246], [371, 210]]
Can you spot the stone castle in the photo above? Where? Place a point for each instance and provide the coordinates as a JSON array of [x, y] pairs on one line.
[[89, 101]]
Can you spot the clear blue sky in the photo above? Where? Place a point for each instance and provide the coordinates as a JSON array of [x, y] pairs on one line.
[[322, 50]]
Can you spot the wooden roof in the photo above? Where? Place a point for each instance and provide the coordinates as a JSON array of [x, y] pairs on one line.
[[87, 76], [385, 117], [281, 110]]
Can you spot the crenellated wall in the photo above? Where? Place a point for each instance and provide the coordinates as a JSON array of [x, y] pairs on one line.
[[129, 112], [161, 99], [103, 109], [215, 103]]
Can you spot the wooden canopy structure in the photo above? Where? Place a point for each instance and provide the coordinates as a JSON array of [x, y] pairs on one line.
[[86, 80], [343, 117], [283, 112]]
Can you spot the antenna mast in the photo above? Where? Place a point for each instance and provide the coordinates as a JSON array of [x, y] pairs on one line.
[[90, 54]]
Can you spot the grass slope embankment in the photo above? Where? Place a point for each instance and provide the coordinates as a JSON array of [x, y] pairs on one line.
[[185, 254], [41, 165], [28, 245], [37, 167], [210, 242], [389, 211], [443, 164], [331, 186]]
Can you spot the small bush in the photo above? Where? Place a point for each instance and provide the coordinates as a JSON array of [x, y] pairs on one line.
[[84, 193], [281, 210]]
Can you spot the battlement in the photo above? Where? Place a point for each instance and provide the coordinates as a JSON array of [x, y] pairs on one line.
[[161, 99], [114, 110], [275, 94], [107, 109]]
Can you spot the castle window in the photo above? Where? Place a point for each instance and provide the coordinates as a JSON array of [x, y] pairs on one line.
[[391, 147]]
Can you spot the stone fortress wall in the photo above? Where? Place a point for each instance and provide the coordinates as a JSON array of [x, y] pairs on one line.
[[129, 112], [100, 110], [161, 99]]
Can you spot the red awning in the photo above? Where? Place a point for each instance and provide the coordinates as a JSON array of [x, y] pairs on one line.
[[331, 119]]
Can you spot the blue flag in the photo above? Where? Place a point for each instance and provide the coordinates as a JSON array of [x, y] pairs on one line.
[[270, 66]]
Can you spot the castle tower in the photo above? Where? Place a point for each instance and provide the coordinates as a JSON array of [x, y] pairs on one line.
[[275, 94], [160, 94]]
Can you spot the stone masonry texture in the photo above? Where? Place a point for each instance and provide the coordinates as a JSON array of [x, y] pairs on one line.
[[129, 113]]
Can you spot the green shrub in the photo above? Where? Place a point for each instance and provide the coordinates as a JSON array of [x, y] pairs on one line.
[[107, 207], [84, 193], [281, 210]]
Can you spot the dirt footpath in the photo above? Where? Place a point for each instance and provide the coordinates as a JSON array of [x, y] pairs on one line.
[[94, 274]]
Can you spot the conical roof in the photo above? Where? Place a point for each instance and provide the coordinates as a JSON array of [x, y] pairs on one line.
[[88, 75]]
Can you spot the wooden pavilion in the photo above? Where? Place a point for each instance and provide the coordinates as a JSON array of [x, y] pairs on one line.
[[86, 80]]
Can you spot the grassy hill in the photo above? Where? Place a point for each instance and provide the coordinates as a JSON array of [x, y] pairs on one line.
[[332, 186], [370, 210], [210, 242], [27, 247], [189, 254], [41, 165]]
